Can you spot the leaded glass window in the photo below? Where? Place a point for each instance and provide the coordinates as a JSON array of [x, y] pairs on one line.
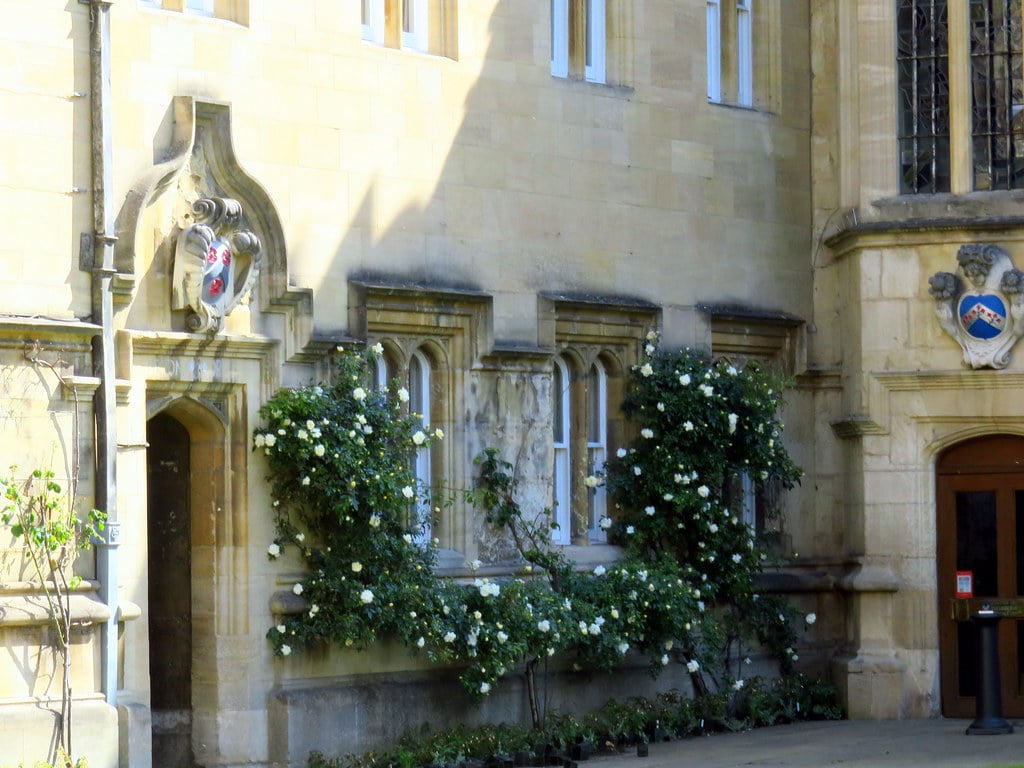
[[922, 59], [996, 94]]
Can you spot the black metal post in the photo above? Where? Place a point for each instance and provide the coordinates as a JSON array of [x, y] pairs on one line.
[[989, 720]]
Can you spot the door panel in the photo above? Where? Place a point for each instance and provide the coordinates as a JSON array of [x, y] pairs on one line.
[[980, 528]]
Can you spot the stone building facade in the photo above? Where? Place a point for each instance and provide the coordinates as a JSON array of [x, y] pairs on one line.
[[204, 198]]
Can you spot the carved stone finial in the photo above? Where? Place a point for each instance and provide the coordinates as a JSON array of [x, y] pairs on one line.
[[215, 264], [982, 305]]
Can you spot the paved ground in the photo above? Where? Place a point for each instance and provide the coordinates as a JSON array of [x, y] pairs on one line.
[[856, 744]]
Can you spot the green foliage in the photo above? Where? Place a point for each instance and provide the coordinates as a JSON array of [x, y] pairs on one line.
[[613, 727], [38, 514], [44, 520], [341, 461], [703, 426]]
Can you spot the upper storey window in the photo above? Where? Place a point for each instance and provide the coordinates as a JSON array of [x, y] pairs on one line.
[[579, 39], [936, 126], [743, 56], [922, 60], [232, 10], [997, 132], [427, 26]]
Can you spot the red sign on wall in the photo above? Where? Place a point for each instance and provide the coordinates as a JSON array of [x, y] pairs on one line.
[[965, 583]]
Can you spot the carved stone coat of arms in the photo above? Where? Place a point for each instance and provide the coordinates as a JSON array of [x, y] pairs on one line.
[[216, 263], [981, 305]]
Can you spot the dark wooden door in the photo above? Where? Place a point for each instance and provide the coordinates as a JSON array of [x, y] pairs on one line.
[[980, 528], [170, 591]]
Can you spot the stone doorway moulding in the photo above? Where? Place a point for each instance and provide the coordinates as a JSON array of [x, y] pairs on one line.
[[980, 529], [211, 430]]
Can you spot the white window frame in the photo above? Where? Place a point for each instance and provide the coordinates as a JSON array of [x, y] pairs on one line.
[[200, 7], [597, 446], [744, 54], [415, 29], [419, 402], [594, 70], [380, 373], [714, 50], [372, 16], [748, 500], [559, 38], [562, 474]]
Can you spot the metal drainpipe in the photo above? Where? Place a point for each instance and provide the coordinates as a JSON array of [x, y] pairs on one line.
[[103, 273]]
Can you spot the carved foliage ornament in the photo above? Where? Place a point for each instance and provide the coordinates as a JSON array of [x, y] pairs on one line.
[[982, 305], [216, 263]]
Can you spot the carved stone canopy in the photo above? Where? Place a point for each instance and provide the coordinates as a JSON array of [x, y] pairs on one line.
[[216, 263], [981, 305]]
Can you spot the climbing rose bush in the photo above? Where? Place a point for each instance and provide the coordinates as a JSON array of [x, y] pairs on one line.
[[346, 498]]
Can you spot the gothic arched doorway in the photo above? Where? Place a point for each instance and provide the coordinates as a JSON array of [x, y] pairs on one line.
[[169, 519]]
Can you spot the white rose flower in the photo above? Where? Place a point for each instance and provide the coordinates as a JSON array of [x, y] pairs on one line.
[[623, 647], [305, 480], [647, 433], [297, 589], [649, 511], [703, 492], [439, 433], [501, 637], [449, 637], [407, 538], [286, 650], [606, 523], [374, 521], [599, 571], [684, 379], [664, 660], [591, 481], [281, 628], [733, 418], [419, 438], [403, 395], [688, 426], [621, 453], [261, 440], [420, 643], [408, 492], [377, 349], [630, 530], [692, 666], [485, 687], [274, 550], [661, 407], [738, 685], [637, 471], [544, 625], [319, 450], [810, 618], [646, 370], [357, 567], [366, 597], [270, 440], [359, 394]]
